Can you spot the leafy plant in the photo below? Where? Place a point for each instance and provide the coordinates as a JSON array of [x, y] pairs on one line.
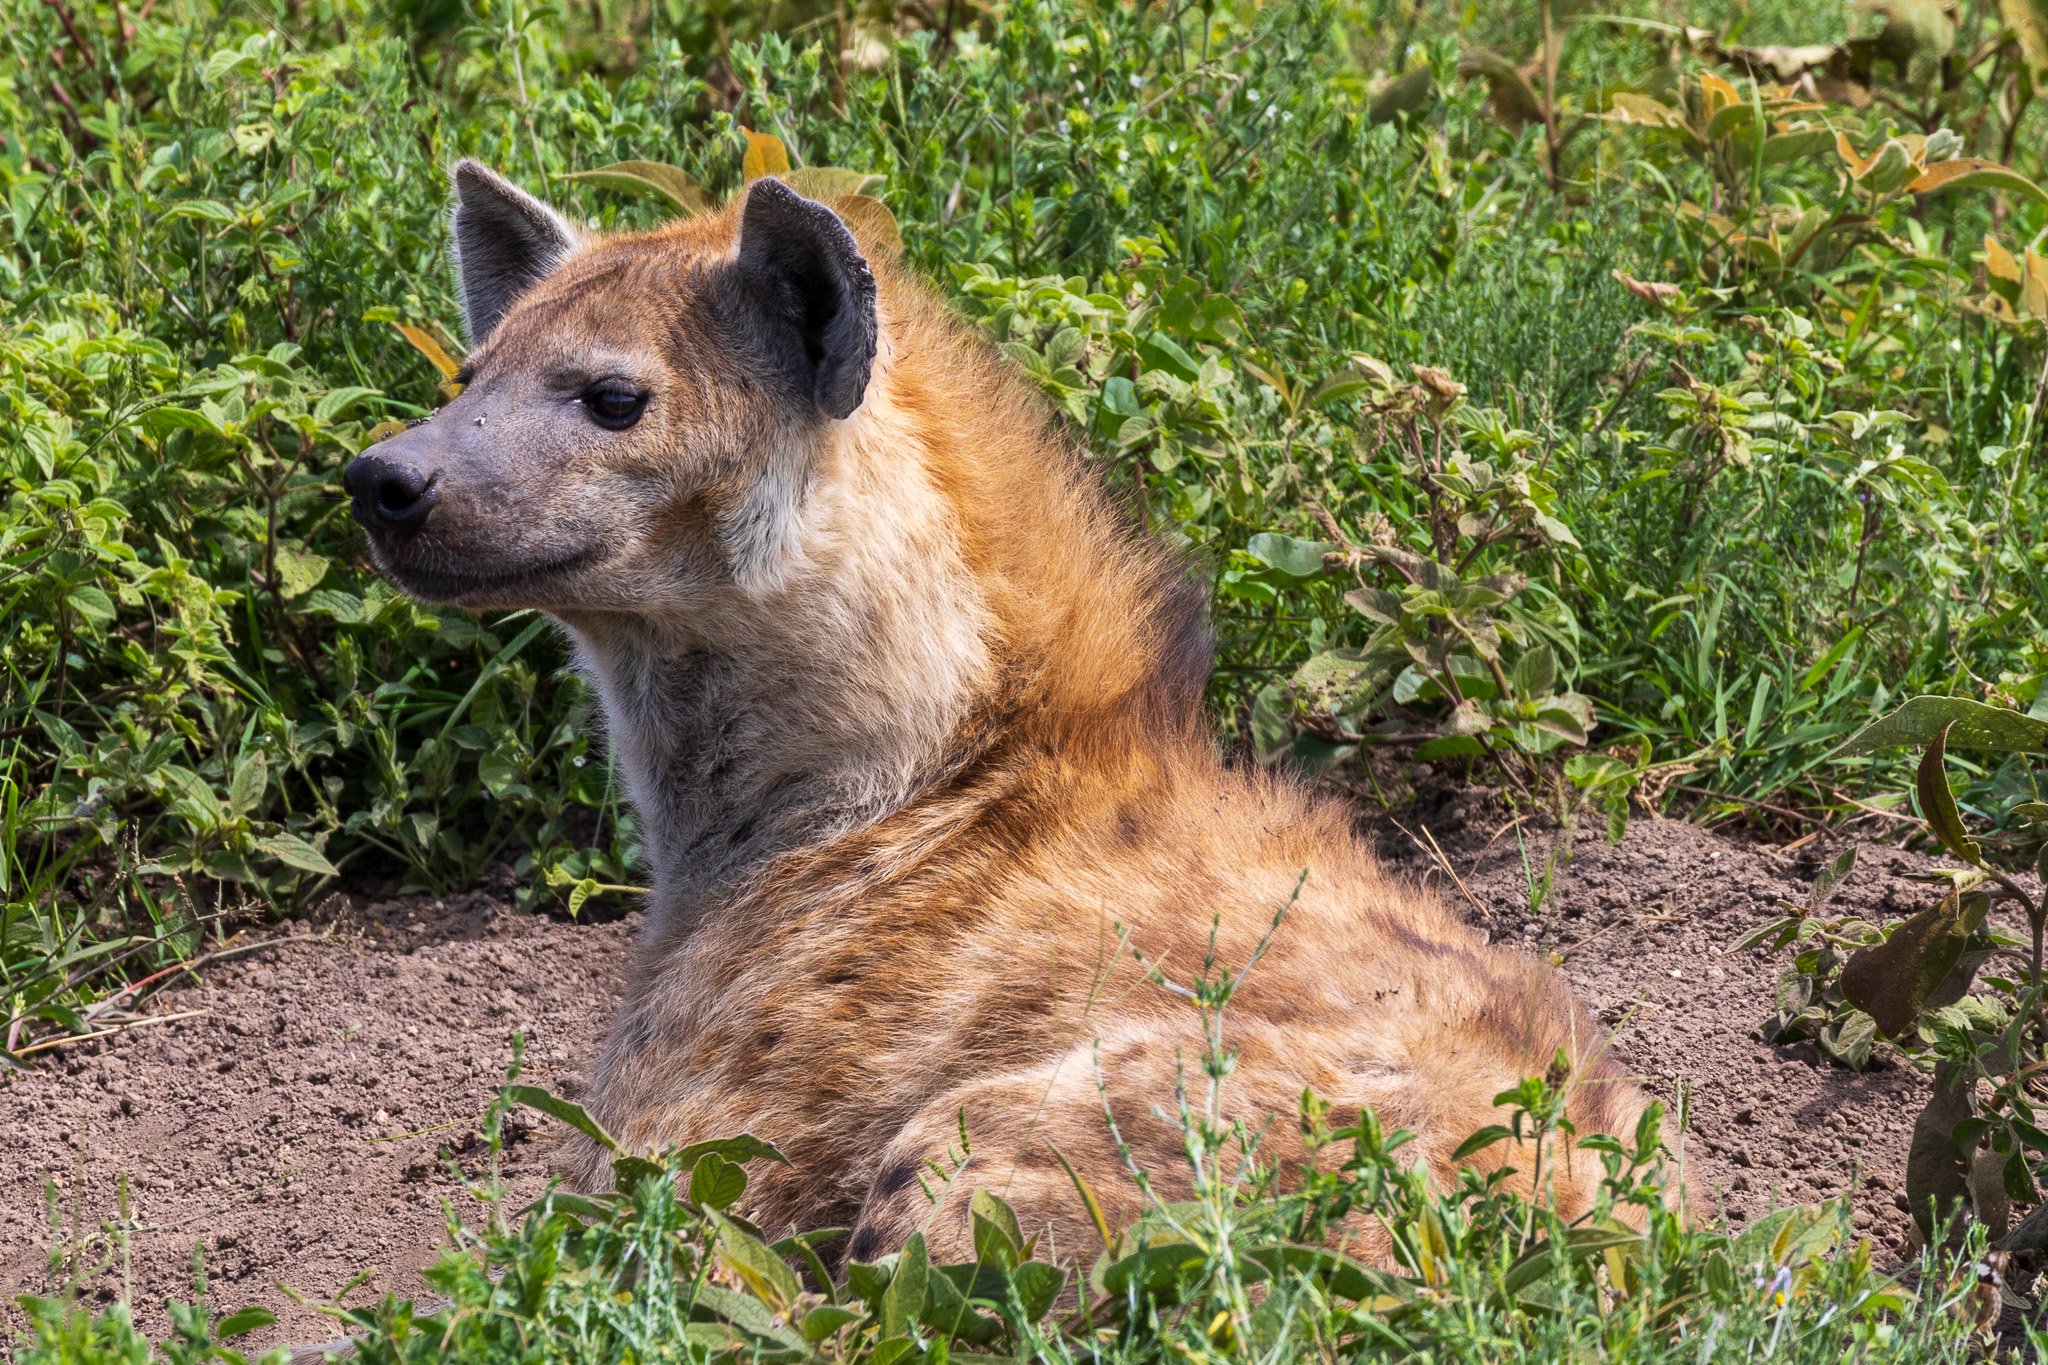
[[668, 1262], [1978, 1146]]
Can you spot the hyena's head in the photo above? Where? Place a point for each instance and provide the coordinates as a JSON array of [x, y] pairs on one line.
[[639, 412]]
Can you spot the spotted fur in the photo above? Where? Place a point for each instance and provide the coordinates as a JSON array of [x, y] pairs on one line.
[[912, 722]]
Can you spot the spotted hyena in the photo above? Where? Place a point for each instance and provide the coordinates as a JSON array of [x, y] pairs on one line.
[[912, 721]]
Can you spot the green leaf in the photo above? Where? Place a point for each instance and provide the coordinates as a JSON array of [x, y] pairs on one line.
[[1162, 1271], [716, 1182], [573, 1114], [293, 851], [745, 1147], [91, 603], [298, 572], [344, 607], [998, 1238], [243, 1321], [1038, 1285], [1783, 926], [498, 771], [1839, 867], [764, 1273], [1300, 560], [1969, 724], [251, 779], [1449, 746], [209, 210], [749, 1314], [1535, 672], [1938, 804], [629, 1171], [904, 1299], [648, 177], [1486, 1137], [823, 1321], [336, 401]]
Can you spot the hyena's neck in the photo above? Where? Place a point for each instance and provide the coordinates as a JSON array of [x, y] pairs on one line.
[[797, 711]]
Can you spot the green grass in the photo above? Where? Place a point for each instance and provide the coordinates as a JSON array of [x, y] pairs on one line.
[[1252, 1268], [1789, 497]]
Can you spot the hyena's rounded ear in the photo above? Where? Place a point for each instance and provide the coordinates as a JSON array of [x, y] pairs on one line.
[[506, 241], [813, 291]]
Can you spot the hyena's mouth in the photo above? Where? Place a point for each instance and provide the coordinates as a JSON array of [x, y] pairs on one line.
[[440, 583]]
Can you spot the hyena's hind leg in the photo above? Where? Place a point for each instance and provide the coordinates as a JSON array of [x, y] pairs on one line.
[[1020, 1124]]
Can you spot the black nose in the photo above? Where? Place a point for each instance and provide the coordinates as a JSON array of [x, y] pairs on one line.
[[389, 492]]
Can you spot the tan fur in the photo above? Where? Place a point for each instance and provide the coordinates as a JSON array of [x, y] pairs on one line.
[[936, 615]]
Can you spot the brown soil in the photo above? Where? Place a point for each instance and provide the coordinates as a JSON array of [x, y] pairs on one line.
[[303, 1126]]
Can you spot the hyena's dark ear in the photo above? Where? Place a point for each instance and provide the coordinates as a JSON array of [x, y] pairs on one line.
[[814, 292], [506, 241]]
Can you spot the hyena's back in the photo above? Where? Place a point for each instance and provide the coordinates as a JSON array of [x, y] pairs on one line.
[[1016, 954]]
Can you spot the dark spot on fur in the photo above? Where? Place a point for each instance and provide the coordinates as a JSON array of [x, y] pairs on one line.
[[1428, 947], [866, 1242], [840, 979], [744, 832], [1187, 650], [1129, 830], [767, 1041], [895, 1179]]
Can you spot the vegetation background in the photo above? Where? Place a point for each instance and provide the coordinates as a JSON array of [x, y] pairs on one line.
[[1618, 407]]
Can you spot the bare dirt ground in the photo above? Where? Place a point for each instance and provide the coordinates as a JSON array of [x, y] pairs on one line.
[[304, 1125], [1642, 929]]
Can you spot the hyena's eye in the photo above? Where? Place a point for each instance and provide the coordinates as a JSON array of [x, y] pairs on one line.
[[614, 406]]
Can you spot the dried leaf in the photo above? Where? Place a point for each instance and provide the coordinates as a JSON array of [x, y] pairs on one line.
[[423, 342], [873, 222], [1625, 107], [1998, 262], [824, 183], [1718, 93], [646, 177], [765, 156], [1893, 981], [1973, 172], [1658, 293], [1783, 63]]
